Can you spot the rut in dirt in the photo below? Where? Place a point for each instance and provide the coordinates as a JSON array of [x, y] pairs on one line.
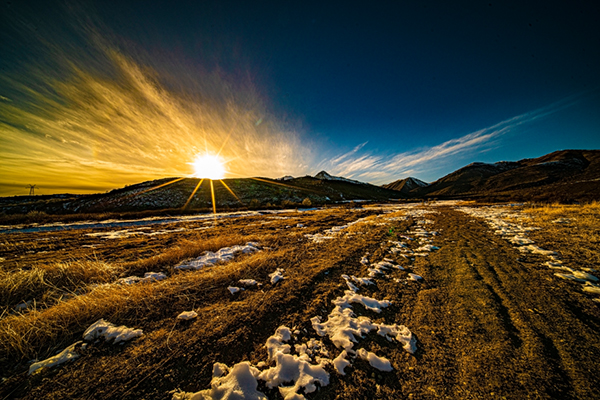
[[507, 329]]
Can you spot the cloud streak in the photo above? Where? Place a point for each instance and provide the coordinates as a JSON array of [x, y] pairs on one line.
[[383, 169], [90, 114]]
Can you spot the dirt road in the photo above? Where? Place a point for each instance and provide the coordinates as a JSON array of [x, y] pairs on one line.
[[489, 322]]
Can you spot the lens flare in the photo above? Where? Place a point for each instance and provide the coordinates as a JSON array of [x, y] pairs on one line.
[[208, 166]]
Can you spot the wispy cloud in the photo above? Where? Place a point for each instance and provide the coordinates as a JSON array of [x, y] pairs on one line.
[[114, 116], [342, 157], [380, 169]]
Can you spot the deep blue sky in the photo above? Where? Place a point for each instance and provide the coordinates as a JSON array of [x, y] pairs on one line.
[[400, 76], [395, 81]]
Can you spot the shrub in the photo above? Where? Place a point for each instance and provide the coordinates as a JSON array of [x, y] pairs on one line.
[[254, 203]]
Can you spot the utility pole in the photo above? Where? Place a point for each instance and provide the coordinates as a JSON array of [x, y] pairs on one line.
[[32, 190]]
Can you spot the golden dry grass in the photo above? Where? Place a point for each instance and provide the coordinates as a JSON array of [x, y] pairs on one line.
[[585, 217], [69, 296], [47, 284], [43, 331]]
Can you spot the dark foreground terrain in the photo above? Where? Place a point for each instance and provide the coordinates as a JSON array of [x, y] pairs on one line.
[[490, 320]]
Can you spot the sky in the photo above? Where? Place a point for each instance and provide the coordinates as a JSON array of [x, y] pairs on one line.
[[96, 95]]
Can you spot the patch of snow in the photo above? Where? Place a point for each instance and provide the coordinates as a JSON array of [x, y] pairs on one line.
[[569, 277], [275, 344], [109, 331], [290, 368], [380, 363], [592, 289], [239, 383], [341, 362], [148, 277], [414, 277], [533, 249], [222, 255], [427, 247], [342, 327], [233, 289], [277, 276], [311, 348], [187, 315], [351, 286], [385, 264], [358, 281], [520, 240], [248, 282], [23, 305], [67, 354], [399, 332]]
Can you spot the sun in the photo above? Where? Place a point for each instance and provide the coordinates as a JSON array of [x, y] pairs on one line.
[[208, 166]]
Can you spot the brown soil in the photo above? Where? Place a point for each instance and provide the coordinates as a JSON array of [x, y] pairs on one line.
[[489, 322]]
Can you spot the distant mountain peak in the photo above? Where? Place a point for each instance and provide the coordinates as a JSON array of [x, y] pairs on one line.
[[416, 182], [324, 176], [406, 185]]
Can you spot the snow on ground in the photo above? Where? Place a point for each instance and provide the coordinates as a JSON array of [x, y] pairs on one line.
[[234, 289], [148, 277], [108, 331], [239, 383], [368, 302], [343, 327], [358, 281], [187, 315], [496, 217], [222, 255], [114, 223], [379, 363], [95, 331], [248, 282], [132, 232], [427, 247], [291, 373], [341, 362], [277, 275], [67, 354], [533, 249], [378, 269], [336, 231], [300, 368]]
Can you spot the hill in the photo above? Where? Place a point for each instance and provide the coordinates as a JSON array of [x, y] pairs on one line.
[[406, 185], [176, 193], [562, 176]]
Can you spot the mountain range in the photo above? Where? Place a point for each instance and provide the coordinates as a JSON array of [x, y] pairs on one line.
[[562, 176]]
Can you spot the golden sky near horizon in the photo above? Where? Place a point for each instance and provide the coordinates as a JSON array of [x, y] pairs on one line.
[[84, 123]]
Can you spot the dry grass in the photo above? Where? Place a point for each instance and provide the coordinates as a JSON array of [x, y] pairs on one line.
[[585, 216], [72, 295], [47, 284], [42, 332], [560, 209], [43, 283], [571, 230]]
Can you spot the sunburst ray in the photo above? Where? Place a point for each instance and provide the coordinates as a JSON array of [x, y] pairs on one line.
[[192, 195], [231, 191]]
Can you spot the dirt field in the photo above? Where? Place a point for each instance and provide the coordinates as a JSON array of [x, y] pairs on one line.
[[489, 320]]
